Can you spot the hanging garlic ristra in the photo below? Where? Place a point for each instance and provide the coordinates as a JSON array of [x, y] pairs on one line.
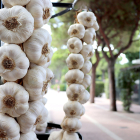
[[9, 128], [74, 45], [70, 136], [56, 135], [13, 61], [34, 82], [86, 81], [86, 18], [74, 76], [76, 30], [28, 136], [36, 114], [41, 11], [10, 3], [16, 25], [37, 47], [41, 127], [75, 61], [90, 36], [73, 109], [87, 51], [14, 99], [71, 125], [86, 67]]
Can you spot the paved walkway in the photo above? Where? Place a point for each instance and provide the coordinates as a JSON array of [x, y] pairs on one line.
[[98, 122]]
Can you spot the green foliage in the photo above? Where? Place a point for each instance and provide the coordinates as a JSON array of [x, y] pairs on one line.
[[63, 87], [63, 81], [54, 86], [106, 88]]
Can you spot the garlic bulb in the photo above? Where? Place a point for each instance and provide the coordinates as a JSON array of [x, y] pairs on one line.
[[43, 100], [87, 51], [47, 64], [41, 10], [28, 136], [85, 97], [13, 61], [41, 127], [15, 2], [71, 125], [86, 67], [35, 82], [75, 61], [49, 75], [90, 36], [16, 25], [76, 30], [70, 136], [74, 45], [36, 114], [95, 26], [9, 128], [37, 47], [86, 18], [56, 135], [73, 109], [74, 76], [83, 111], [14, 99], [86, 81]]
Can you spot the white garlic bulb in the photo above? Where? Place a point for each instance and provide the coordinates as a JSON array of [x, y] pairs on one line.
[[76, 30], [71, 125], [41, 127], [70, 136], [41, 10], [75, 61], [86, 67], [90, 36], [87, 51], [14, 2], [47, 64], [85, 97], [95, 26], [86, 18], [74, 76], [36, 114], [28, 136], [14, 99], [73, 109], [13, 61], [16, 25], [74, 45], [86, 81], [9, 128], [56, 135], [43, 100], [49, 75], [37, 47]]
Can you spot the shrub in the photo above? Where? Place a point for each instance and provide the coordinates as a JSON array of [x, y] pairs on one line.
[[63, 87], [106, 88]]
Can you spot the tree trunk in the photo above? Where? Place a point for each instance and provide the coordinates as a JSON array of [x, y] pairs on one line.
[[92, 87], [112, 89]]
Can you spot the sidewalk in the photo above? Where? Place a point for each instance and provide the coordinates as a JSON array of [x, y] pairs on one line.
[[98, 123]]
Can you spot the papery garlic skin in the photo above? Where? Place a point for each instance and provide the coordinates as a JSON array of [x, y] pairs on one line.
[[76, 30], [74, 45], [86, 67], [37, 47], [36, 114], [75, 61], [85, 97], [9, 128], [73, 109], [41, 127], [13, 61], [16, 25], [56, 135], [35, 82], [74, 76], [70, 136], [86, 81], [28, 136], [71, 125], [87, 51], [86, 18], [41, 10], [43, 100], [14, 2], [13, 99], [95, 26], [46, 65], [90, 36]]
